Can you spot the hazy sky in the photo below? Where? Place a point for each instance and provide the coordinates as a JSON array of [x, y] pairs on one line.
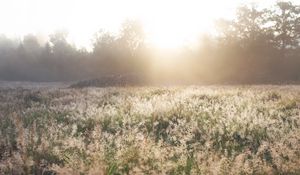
[[168, 23]]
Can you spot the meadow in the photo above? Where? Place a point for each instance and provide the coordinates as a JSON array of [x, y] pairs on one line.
[[150, 130]]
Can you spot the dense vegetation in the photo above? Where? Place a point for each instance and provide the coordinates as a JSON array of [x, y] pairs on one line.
[[258, 45], [150, 130]]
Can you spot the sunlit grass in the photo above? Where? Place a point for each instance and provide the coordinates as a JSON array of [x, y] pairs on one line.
[[151, 130]]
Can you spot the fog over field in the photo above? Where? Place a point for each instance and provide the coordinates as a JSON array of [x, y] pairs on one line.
[[256, 44], [173, 87]]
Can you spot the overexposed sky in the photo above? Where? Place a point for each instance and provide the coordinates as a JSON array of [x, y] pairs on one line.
[[168, 23]]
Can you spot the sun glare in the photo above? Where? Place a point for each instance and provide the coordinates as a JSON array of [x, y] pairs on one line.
[[168, 23]]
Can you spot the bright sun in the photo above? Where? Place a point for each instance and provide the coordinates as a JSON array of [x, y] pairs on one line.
[[168, 23]]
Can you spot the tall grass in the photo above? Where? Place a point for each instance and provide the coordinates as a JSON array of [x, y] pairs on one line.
[[151, 130]]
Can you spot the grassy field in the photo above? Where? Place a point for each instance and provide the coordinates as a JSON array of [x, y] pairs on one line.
[[150, 130]]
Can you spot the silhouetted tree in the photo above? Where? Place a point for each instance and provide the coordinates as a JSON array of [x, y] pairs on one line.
[[286, 25], [132, 35], [105, 53]]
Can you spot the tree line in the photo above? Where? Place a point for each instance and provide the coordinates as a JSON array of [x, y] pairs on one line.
[[257, 46]]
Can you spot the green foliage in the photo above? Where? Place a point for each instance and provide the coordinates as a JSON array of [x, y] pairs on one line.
[[8, 135], [85, 127]]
